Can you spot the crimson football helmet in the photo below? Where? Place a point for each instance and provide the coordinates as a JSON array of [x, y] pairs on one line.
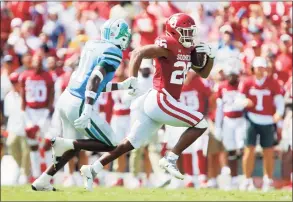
[[182, 27]]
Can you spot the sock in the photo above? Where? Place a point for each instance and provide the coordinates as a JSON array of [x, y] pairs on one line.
[[66, 169], [225, 170], [202, 163], [48, 158], [68, 144], [202, 178], [45, 177], [213, 180], [172, 156], [234, 180], [187, 164], [35, 163], [97, 166]]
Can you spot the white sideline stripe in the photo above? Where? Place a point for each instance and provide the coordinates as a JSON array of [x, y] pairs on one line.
[[176, 112], [113, 57]]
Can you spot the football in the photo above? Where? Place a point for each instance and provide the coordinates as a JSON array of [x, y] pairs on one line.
[[199, 59]]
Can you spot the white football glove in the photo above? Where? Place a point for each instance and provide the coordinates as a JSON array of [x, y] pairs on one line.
[[129, 82], [84, 120], [205, 48]]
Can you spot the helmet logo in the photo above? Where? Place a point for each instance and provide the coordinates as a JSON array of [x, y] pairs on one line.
[[123, 31], [173, 21]]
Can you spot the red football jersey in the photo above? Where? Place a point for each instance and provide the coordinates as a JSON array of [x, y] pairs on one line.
[[261, 95], [37, 88], [171, 72], [228, 93], [106, 105], [195, 94]]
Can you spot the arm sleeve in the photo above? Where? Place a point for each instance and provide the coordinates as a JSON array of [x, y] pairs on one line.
[[110, 59], [280, 104]]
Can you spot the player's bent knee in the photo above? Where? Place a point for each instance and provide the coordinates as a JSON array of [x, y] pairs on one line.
[[202, 124]]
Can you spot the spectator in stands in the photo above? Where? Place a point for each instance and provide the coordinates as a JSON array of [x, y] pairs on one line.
[[124, 10], [79, 40], [16, 141], [6, 70], [265, 93], [15, 33], [283, 62], [67, 16], [6, 18], [145, 24], [26, 63], [52, 68], [54, 29], [93, 25], [227, 45]]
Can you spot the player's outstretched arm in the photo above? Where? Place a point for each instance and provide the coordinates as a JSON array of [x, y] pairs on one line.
[[148, 51], [90, 94], [129, 83]]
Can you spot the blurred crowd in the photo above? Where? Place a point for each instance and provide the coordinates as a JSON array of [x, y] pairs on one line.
[[253, 40]]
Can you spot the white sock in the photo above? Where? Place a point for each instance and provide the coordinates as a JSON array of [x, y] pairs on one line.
[[202, 177], [48, 158], [66, 169], [45, 177], [97, 166], [35, 163], [234, 180], [68, 144], [213, 180], [172, 156]]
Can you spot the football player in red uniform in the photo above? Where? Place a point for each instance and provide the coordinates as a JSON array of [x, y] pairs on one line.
[[37, 92], [195, 94], [160, 105], [267, 110], [230, 124]]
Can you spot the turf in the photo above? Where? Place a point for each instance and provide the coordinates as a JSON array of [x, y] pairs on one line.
[[25, 193]]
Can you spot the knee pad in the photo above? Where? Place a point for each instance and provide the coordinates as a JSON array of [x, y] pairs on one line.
[[232, 155], [202, 124]]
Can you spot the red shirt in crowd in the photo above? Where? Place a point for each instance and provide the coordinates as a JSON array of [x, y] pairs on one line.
[[195, 94], [146, 24], [37, 87], [261, 95], [20, 9], [283, 66]]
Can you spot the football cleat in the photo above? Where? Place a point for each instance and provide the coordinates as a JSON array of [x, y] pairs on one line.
[[88, 177], [170, 167], [39, 185]]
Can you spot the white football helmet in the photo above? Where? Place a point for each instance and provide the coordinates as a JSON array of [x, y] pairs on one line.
[[116, 31]]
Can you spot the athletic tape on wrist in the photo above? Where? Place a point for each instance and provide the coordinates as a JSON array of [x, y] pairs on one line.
[[99, 74], [109, 87], [90, 94]]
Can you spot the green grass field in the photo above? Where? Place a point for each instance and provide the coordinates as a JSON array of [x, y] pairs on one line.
[[24, 193]]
